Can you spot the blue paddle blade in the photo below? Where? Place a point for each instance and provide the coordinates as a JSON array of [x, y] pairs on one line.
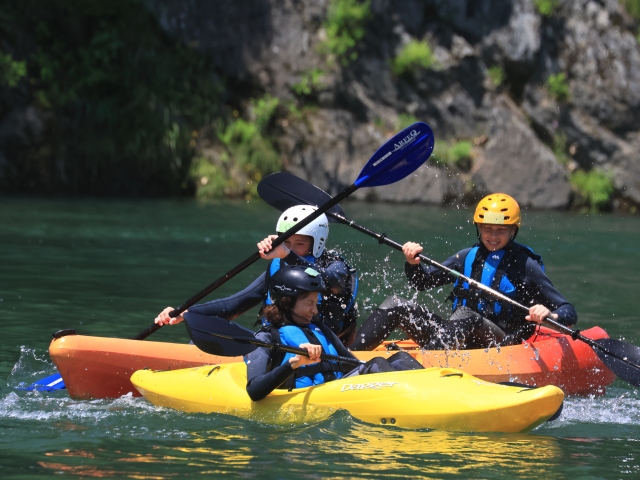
[[218, 336], [399, 157], [47, 384]]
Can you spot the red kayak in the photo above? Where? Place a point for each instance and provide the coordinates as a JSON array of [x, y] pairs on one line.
[[100, 367], [547, 358]]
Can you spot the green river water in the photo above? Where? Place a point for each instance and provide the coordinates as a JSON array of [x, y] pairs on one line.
[[107, 267]]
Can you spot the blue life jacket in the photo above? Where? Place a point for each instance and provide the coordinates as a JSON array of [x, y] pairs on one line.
[[340, 308], [307, 375], [493, 275]]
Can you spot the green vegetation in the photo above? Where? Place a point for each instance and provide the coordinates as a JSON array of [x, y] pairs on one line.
[[248, 154], [345, 27], [496, 74], [632, 7], [414, 56], [558, 86], [458, 154], [310, 82], [11, 71], [212, 181], [247, 142], [404, 120], [594, 188], [123, 99], [560, 149], [546, 8]]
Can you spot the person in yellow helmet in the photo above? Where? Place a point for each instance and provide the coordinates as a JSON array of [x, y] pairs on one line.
[[479, 320]]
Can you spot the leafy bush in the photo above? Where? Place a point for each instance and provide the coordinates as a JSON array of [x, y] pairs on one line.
[[248, 154], [211, 180], [123, 97], [458, 154], [546, 8], [560, 148], [593, 187], [405, 120], [558, 86], [310, 82], [496, 74], [11, 71], [413, 56], [632, 7], [345, 28]]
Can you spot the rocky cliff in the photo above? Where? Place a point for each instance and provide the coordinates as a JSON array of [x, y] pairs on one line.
[[526, 138], [540, 101]]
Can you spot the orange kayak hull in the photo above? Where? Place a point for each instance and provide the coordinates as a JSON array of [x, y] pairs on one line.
[[101, 367], [548, 358]]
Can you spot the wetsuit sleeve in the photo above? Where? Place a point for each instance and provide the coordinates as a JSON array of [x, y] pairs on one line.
[[260, 380], [236, 304], [546, 294], [424, 277]]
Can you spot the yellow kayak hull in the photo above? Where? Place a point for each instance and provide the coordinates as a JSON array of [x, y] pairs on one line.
[[434, 398]]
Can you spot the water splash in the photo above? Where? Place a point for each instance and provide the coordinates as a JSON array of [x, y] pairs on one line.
[[618, 407], [31, 366]]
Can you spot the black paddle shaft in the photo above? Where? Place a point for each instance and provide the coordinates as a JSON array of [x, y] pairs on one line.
[[618, 356], [283, 190], [278, 346], [253, 258], [397, 158], [218, 336]]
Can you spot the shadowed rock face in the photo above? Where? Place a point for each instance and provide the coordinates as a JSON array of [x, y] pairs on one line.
[[266, 46]]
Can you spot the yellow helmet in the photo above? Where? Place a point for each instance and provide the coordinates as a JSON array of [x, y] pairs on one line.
[[498, 209]]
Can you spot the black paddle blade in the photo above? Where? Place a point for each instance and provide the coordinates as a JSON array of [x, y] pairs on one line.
[[398, 157], [622, 358], [218, 336], [284, 190]]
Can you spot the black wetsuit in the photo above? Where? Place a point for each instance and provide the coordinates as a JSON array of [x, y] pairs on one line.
[[467, 327], [331, 267], [266, 372]]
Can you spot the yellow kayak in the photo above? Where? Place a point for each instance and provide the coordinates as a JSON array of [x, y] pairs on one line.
[[435, 398]]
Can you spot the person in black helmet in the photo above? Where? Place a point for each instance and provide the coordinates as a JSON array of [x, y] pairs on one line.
[[479, 319], [289, 320]]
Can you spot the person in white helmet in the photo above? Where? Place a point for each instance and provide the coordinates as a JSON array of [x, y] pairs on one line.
[[337, 308]]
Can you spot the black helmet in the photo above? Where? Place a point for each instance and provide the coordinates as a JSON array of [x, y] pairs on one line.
[[292, 280]]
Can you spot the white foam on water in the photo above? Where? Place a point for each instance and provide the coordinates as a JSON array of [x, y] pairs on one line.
[[31, 366], [618, 407], [54, 406]]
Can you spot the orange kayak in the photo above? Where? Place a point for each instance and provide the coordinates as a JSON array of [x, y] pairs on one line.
[[100, 367], [547, 358]]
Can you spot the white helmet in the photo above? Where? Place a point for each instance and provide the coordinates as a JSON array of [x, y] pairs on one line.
[[318, 229]]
